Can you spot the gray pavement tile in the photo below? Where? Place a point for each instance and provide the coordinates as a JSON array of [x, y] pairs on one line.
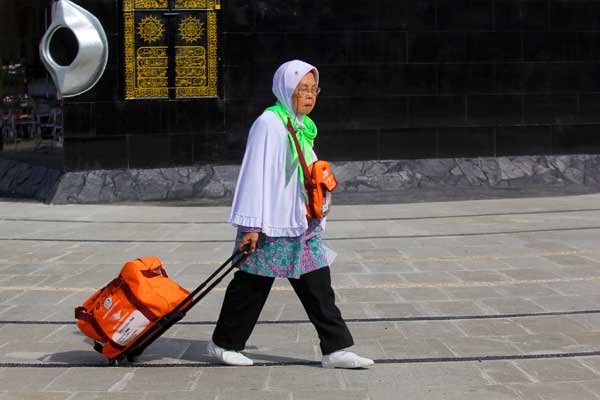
[[553, 324], [451, 308], [377, 279], [578, 288], [145, 380], [433, 265], [414, 348], [429, 277], [110, 396], [544, 343], [530, 274], [503, 372], [88, 379], [571, 260], [590, 321], [472, 292], [488, 392], [593, 386], [420, 294], [568, 303], [27, 379], [512, 305], [527, 291], [477, 346], [389, 376], [36, 333], [307, 378], [483, 263], [233, 394], [586, 338], [429, 329], [239, 378], [495, 327], [557, 370], [350, 267], [592, 363], [366, 295], [395, 310], [332, 395], [554, 391], [29, 395], [387, 265], [482, 276]]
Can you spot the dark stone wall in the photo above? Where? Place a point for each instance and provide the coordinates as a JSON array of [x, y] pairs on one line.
[[400, 79]]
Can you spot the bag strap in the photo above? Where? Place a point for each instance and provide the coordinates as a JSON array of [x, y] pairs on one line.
[[307, 178]]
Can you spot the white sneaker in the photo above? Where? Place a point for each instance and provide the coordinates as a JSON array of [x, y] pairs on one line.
[[228, 357], [345, 359]]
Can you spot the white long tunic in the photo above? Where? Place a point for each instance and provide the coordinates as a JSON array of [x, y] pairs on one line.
[[269, 194]]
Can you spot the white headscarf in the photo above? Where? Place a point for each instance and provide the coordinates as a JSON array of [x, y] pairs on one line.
[[286, 79]]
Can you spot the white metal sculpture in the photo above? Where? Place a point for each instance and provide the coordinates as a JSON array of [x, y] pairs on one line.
[[90, 62]]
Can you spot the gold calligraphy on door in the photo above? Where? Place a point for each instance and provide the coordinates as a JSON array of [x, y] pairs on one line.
[[170, 48]]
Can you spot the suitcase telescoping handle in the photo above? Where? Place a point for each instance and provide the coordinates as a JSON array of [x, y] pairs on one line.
[[198, 294]]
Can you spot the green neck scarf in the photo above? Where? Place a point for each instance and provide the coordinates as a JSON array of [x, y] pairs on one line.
[[306, 136]]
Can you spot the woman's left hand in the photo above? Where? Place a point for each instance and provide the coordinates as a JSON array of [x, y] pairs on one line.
[[250, 238]]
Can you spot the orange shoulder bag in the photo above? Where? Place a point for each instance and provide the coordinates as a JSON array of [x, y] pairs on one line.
[[319, 182]]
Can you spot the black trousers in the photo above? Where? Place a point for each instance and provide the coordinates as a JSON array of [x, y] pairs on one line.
[[247, 293]]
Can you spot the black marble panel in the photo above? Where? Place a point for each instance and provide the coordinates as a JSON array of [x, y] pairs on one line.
[[574, 15], [533, 15], [549, 108], [436, 46], [589, 108], [239, 82], [464, 15], [239, 16], [107, 11], [426, 111], [407, 79], [507, 15], [193, 116], [568, 77], [535, 77], [493, 46], [360, 113], [239, 48], [589, 79], [339, 15], [575, 139], [523, 140], [494, 109], [347, 144], [546, 46], [412, 15], [466, 142], [130, 117], [408, 143], [78, 120], [466, 78], [95, 153], [588, 46], [349, 81], [149, 151], [219, 148]]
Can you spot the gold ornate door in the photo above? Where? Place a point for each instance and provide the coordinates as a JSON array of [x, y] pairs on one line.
[[170, 48]]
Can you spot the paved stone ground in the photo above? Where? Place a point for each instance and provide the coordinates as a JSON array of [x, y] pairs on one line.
[[487, 299]]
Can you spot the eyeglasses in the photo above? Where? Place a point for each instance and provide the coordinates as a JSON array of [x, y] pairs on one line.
[[305, 91]]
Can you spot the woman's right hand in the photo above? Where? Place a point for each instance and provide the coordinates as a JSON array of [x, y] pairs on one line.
[[249, 238]]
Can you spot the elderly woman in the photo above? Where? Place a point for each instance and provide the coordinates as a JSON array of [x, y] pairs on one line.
[[269, 211]]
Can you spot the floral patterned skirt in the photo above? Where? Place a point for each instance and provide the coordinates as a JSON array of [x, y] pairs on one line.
[[286, 257]]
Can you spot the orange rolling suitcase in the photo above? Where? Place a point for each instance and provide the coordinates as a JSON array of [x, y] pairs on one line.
[[138, 306]]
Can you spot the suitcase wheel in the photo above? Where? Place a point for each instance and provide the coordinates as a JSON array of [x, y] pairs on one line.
[[132, 358], [113, 363]]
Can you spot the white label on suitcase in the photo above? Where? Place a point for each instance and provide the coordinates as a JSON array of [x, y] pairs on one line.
[[131, 328]]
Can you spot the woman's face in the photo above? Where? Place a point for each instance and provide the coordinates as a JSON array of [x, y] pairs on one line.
[[305, 95]]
